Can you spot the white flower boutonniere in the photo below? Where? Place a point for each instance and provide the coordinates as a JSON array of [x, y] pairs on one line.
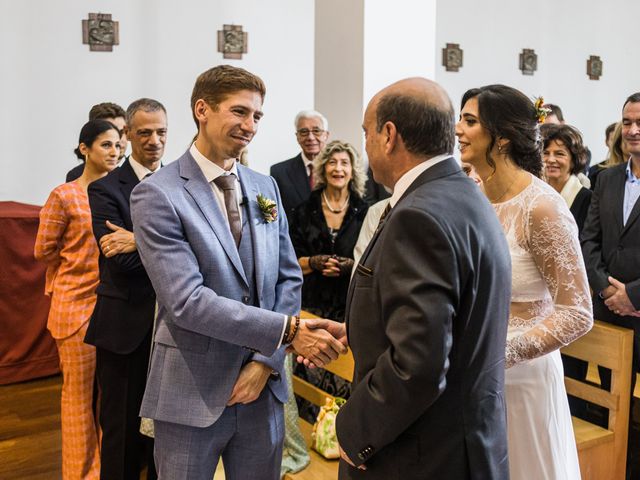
[[268, 208]]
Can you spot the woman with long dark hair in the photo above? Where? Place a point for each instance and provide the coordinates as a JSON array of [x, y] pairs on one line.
[[65, 242], [498, 135]]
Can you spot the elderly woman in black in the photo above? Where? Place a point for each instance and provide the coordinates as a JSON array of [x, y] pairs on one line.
[[324, 230]]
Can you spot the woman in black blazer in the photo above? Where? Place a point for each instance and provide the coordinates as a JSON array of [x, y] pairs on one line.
[[565, 156]]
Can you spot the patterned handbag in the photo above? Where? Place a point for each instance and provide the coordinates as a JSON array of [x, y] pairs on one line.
[[323, 438]]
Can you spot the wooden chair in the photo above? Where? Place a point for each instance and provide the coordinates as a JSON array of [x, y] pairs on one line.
[[320, 468], [602, 451]]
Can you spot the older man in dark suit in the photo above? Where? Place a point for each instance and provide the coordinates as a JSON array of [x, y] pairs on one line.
[[427, 307], [611, 241], [120, 326], [295, 176]]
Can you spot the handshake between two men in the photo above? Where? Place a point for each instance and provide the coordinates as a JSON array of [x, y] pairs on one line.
[[318, 341]]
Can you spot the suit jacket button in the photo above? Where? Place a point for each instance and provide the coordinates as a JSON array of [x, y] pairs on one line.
[[361, 456], [245, 299]]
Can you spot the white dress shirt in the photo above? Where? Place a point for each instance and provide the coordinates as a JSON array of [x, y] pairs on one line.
[[212, 171], [140, 170], [409, 177]]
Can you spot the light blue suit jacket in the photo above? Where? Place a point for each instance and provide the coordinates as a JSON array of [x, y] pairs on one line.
[[205, 326]]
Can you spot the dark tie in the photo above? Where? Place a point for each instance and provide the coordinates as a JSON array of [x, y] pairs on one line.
[[310, 169], [227, 183], [385, 212]]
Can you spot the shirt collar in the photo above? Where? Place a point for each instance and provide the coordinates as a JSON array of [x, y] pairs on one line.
[[140, 170], [306, 161], [210, 170], [631, 178], [409, 177]]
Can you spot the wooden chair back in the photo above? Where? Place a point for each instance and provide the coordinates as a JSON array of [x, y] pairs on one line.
[[603, 451]]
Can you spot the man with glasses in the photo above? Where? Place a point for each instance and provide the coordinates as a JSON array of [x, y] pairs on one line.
[[294, 176]]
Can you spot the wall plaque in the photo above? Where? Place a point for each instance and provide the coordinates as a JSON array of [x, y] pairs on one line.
[[594, 67], [100, 32], [452, 57], [528, 61], [232, 41]]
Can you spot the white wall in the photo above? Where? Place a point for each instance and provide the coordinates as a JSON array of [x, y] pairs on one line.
[[49, 79], [400, 42], [339, 46], [361, 47], [564, 34]]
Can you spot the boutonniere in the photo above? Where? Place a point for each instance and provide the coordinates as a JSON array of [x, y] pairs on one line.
[[268, 208]]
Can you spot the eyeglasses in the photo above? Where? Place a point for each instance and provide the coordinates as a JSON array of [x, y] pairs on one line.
[[305, 132]]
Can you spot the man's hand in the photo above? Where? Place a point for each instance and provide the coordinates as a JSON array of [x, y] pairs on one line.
[[609, 291], [250, 383], [338, 330], [348, 460], [317, 344], [619, 302], [120, 241]]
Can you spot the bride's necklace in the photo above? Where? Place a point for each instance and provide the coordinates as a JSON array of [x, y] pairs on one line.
[[338, 210], [496, 200]]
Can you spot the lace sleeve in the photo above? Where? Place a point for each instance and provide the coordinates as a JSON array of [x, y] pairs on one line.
[[554, 245]]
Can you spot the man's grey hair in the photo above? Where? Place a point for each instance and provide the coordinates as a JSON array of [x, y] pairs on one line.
[[311, 114], [144, 104]]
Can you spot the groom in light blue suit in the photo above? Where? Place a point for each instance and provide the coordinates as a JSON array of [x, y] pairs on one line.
[[228, 287]]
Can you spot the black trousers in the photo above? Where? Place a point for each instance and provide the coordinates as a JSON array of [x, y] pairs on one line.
[[121, 381]]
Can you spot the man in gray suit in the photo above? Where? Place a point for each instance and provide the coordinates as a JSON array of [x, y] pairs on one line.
[[228, 285]]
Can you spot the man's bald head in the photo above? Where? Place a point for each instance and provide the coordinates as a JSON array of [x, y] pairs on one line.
[[422, 114]]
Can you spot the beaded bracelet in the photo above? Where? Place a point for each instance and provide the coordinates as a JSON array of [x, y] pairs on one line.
[[292, 329]]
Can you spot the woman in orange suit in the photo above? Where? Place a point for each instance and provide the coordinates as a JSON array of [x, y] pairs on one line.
[[65, 242]]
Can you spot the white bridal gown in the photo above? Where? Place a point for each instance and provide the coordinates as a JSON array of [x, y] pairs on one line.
[[550, 307]]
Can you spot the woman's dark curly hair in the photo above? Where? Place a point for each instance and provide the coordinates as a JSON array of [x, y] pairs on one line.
[[507, 113], [571, 138]]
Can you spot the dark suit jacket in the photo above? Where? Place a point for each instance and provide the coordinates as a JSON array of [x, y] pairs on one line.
[[293, 182], [427, 317], [580, 207], [125, 307], [609, 247]]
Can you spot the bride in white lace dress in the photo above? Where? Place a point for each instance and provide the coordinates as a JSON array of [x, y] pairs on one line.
[[550, 304]]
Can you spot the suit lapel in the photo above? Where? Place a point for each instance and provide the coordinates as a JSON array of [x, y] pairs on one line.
[[128, 179], [200, 190], [439, 170], [255, 225], [618, 199], [442, 169], [299, 178], [635, 211]]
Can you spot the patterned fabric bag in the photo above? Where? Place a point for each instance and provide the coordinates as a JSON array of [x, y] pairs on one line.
[[324, 439]]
